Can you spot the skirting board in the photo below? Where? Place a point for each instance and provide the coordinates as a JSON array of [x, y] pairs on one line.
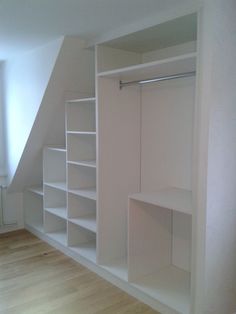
[[10, 228], [102, 272]]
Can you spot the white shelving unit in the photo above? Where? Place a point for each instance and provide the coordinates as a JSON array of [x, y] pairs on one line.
[[81, 176], [120, 194], [145, 169], [55, 203]]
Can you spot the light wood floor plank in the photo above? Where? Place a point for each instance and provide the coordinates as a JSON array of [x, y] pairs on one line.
[[35, 278]]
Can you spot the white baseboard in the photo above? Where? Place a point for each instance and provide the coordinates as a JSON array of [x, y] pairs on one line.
[[10, 228]]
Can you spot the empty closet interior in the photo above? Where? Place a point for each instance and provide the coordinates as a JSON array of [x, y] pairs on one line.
[[145, 105]]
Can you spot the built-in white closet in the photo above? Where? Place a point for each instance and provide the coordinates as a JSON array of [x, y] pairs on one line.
[[118, 196]]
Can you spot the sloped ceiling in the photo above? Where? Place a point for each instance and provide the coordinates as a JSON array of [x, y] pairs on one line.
[[26, 24]]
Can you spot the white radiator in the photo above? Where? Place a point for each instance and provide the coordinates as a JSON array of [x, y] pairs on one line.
[[1, 209], [2, 204], [4, 220]]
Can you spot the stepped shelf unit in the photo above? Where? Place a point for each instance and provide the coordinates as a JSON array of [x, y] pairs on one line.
[[64, 207], [120, 198], [81, 176]]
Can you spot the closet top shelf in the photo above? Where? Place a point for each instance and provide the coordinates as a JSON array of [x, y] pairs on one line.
[[170, 66], [82, 100], [172, 198]]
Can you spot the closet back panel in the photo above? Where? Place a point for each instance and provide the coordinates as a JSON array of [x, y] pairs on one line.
[[167, 134]]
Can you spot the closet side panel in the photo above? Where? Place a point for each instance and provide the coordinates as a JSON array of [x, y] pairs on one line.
[[118, 164], [167, 132]]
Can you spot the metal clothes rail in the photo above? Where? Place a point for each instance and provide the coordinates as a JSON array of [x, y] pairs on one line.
[[157, 79]]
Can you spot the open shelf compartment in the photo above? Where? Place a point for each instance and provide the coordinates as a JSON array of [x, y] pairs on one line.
[[82, 241], [81, 148], [55, 227], [80, 115], [165, 67], [82, 212], [82, 181], [54, 166], [159, 253], [55, 201], [118, 267]]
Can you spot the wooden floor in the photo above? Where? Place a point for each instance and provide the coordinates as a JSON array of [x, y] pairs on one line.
[[35, 278]]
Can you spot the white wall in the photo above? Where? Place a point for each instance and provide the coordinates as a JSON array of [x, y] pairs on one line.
[[218, 106], [2, 124], [26, 78], [72, 77]]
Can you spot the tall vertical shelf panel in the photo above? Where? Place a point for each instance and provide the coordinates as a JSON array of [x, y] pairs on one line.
[[81, 176]]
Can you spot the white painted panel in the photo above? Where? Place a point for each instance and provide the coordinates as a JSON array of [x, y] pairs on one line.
[[182, 240], [118, 164], [167, 122], [110, 58], [218, 100], [149, 246], [171, 198], [169, 52]]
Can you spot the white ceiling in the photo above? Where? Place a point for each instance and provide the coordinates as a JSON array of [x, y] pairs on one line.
[[26, 24]]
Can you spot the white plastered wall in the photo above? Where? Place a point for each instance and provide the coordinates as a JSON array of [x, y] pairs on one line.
[[216, 282], [25, 80]]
